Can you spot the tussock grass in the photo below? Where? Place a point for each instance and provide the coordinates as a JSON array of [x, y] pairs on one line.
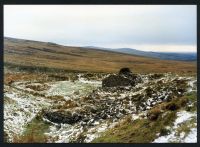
[[138, 131], [145, 130]]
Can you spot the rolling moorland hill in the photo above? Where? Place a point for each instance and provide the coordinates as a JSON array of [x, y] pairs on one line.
[[179, 56], [35, 54]]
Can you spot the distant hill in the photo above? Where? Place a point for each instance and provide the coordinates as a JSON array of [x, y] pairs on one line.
[[49, 56], [182, 56]]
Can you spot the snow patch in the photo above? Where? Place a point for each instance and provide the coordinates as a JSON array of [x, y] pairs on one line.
[[182, 117]]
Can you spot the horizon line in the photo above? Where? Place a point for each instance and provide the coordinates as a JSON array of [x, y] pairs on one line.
[[101, 48]]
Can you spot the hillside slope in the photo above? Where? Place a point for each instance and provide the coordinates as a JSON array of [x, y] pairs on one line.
[[19, 52], [179, 56]]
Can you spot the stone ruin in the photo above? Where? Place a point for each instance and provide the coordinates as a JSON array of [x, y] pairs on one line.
[[124, 78]]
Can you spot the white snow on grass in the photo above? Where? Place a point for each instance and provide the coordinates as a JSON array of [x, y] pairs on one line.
[[64, 133], [68, 88], [98, 130], [191, 137], [26, 106], [192, 86], [183, 116], [21, 112]]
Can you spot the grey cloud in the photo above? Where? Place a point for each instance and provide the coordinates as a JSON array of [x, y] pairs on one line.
[[103, 25]]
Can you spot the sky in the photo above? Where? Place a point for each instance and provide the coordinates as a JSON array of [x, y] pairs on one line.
[[163, 28]]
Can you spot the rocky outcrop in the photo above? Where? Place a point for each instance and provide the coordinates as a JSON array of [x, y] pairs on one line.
[[124, 78]]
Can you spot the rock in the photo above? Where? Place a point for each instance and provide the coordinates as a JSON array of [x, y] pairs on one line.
[[149, 91], [88, 76], [117, 80], [153, 114], [15, 114], [119, 115], [103, 116], [76, 117], [62, 117], [172, 106], [124, 78], [125, 71], [90, 108]]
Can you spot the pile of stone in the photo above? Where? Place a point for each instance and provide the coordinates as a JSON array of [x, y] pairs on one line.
[[124, 78]]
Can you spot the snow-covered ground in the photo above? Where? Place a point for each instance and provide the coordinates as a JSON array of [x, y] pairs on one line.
[[24, 106], [21, 109], [72, 89], [183, 137], [65, 132]]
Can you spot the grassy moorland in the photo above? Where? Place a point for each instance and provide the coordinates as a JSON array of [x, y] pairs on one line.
[[34, 73], [45, 56]]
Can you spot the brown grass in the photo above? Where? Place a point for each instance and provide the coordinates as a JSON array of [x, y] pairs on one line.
[[41, 54], [8, 77]]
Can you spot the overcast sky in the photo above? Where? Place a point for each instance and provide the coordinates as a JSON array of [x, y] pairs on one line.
[[144, 27]]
